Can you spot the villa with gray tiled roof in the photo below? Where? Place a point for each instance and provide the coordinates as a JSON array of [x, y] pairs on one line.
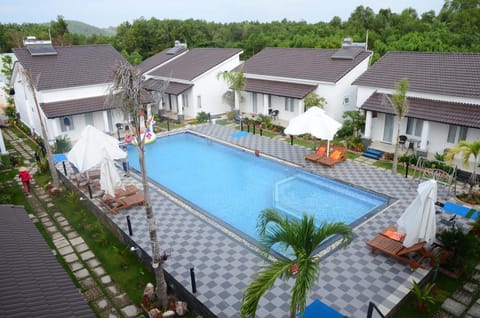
[[70, 84], [443, 97], [279, 79], [189, 79]]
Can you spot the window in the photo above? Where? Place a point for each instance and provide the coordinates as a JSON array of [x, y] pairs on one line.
[[414, 127], [452, 132], [89, 119], [456, 134], [185, 100], [199, 101], [289, 104], [346, 101], [66, 123], [462, 134], [254, 102]]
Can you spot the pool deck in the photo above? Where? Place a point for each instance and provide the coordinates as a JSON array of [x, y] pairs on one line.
[[224, 263]]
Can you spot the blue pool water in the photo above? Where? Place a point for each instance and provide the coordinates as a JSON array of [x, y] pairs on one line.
[[234, 186]]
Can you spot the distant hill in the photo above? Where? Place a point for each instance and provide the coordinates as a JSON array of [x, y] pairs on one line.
[[87, 29]]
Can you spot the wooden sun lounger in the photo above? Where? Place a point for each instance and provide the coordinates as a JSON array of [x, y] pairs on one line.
[[395, 249], [128, 201], [120, 193], [317, 154], [336, 155]]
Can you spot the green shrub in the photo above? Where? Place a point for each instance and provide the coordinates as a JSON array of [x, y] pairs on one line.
[[202, 117], [62, 144]]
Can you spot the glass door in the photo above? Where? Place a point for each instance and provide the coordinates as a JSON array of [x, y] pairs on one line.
[[388, 128]]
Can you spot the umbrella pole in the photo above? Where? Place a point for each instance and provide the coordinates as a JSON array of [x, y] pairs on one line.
[[328, 148]]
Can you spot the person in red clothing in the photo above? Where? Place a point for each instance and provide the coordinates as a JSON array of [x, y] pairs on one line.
[[25, 177]]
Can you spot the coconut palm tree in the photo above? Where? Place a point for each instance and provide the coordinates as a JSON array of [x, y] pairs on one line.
[[399, 103], [128, 94], [303, 238], [468, 149], [236, 80]]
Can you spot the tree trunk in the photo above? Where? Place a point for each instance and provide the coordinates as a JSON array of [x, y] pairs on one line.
[[395, 154], [51, 164], [152, 228]]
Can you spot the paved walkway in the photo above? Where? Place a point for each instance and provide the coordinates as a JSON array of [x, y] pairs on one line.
[[104, 296], [224, 262]]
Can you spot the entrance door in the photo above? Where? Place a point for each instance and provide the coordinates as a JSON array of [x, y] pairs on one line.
[[388, 128]]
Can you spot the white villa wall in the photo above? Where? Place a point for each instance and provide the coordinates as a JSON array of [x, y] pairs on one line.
[[344, 89], [56, 95], [211, 89]]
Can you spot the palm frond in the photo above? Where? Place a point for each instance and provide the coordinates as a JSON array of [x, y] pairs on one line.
[[262, 282]]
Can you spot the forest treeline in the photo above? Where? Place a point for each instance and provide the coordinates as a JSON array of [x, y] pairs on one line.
[[456, 28]]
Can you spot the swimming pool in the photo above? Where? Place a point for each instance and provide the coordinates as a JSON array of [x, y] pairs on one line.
[[233, 185]]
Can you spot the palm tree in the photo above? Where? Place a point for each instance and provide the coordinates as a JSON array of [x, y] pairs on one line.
[[128, 94], [236, 80], [468, 149], [400, 105], [303, 238]]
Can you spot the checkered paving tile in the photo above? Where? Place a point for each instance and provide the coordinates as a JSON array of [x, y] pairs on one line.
[[224, 263]]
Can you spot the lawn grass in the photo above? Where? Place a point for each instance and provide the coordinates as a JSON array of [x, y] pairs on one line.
[[122, 265], [444, 286]]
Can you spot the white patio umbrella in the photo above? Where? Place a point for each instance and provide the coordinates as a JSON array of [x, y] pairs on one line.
[[109, 176], [315, 122], [91, 147], [418, 221]]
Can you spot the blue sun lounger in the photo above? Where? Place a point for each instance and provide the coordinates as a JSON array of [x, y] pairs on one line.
[[318, 309], [459, 210]]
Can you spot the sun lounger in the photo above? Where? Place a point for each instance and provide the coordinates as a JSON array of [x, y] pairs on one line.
[[128, 201], [321, 151], [120, 193], [390, 244], [337, 155]]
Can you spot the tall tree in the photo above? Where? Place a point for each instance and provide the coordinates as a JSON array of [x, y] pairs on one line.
[[127, 93], [399, 103], [303, 237], [236, 80], [60, 32], [51, 164], [467, 149]]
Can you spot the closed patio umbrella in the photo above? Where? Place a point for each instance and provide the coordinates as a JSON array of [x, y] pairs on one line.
[[109, 176], [314, 122], [91, 147], [418, 221]]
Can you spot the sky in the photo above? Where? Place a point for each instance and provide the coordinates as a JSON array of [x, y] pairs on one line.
[[105, 13]]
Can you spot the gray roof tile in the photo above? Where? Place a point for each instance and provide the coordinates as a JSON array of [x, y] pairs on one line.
[[83, 105], [194, 63], [33, 282], [449, 74], [74, 106], [292, 90], [174, 88], [160, 58], [302, 63], [433, 110], [73, 66]]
